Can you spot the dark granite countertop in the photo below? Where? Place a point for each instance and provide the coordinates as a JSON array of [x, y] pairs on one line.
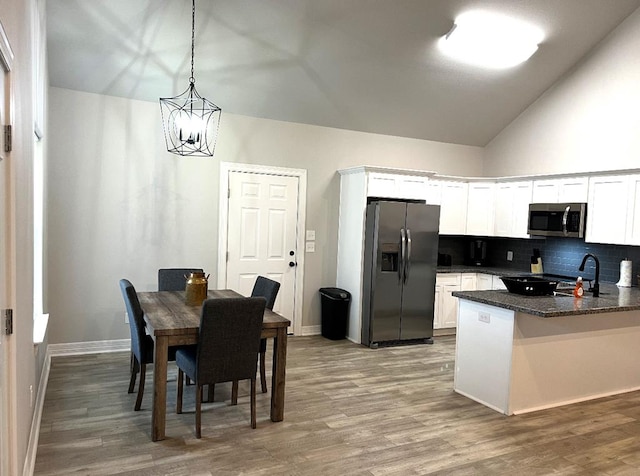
[[480, 269], [611, 299]]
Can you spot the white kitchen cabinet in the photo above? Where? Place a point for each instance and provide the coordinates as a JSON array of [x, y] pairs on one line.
[[512, 201], [633, 210], [607, 205], [386, 185], [381, 185], [484, 282], [497, 283], [480, 208], [446, 306], [453, 211], [434, 192], [561, 190], [468, 282], [488, 282]]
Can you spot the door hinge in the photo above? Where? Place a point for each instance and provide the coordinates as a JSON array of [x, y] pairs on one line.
[[227, 256], [7, 138], [8, 321], [228, 193]]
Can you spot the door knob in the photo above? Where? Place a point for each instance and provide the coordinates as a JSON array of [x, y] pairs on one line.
[[291, 264]]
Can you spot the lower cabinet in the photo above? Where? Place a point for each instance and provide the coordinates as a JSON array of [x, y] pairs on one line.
[[484, 282], [445, 310], [446, 306]]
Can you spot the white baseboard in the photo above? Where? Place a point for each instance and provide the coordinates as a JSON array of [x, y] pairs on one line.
[[34, 435], [93, 347], [311, 330]]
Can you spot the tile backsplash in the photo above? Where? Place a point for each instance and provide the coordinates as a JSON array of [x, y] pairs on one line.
[[559, 255]]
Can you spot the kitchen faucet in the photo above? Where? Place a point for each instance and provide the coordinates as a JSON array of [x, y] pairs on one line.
[[596, 285]]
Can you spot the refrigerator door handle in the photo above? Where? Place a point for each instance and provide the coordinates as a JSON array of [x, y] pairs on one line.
[[407, 264], [403, 252]]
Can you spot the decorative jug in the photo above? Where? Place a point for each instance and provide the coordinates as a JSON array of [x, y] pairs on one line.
[[196, 289]]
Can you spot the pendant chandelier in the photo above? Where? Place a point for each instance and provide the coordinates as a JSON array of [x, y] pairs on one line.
[[190, 122]]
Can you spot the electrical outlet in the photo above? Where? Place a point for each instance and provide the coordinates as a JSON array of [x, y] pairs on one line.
[[509, 255], [484, 317]]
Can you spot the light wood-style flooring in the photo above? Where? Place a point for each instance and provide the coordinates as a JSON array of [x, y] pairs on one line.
[[349, 410]]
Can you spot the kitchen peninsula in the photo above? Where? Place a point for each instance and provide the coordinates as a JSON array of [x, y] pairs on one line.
[[517, 354]]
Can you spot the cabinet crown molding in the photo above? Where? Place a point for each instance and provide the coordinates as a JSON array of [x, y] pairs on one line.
[[458, 178]]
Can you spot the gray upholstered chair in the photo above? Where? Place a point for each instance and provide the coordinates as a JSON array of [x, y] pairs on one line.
[[227, 349], [268, 289], [174, 279], [141, 343]]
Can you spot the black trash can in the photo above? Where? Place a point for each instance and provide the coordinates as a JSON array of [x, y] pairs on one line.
[[335, 312]]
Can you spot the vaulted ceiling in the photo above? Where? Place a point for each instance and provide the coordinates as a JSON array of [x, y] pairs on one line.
[[365, 65]]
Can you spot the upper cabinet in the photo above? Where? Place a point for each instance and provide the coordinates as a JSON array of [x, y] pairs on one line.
[[453, 207], [387, 185], [561, 190], [498, 207], [633, 210], [480, 208], [613, 210], [512, 209]]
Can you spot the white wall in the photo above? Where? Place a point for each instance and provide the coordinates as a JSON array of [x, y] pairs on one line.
[[121, 206], [588, 121]]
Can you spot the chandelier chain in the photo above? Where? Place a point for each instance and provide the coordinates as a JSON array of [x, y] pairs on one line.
[[193, 38]]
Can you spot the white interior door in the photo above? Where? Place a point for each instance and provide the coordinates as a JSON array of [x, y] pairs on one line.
[[262, 234], [4, 265]]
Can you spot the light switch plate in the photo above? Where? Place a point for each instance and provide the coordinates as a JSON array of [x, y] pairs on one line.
[[311, 235], [310, 246]]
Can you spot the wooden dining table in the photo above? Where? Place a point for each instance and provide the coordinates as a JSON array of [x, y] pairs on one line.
[[171, 322]]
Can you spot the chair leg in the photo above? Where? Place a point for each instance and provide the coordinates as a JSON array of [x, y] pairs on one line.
[[211, 391], [234, 393], [134, 372], [180, 390], [143, 371], [198, 416], [263, 371], [253, 403]]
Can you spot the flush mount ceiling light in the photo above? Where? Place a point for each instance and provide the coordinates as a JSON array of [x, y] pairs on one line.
[[190, 122], [490, 40]]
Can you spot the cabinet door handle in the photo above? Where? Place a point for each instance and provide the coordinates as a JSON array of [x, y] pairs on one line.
[[402, 256], [564, 220], [407, 265]]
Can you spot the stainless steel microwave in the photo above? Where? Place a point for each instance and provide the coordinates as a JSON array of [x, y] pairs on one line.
[[557, 219]]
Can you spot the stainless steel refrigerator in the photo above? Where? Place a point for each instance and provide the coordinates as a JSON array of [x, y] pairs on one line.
[[400, 258]]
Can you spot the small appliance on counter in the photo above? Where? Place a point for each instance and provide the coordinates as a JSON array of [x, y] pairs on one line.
[[477, 253], [536, 262]]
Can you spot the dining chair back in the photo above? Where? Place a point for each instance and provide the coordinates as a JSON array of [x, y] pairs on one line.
[[228, 344], [174, 279], [268, 289], [141, 343]]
